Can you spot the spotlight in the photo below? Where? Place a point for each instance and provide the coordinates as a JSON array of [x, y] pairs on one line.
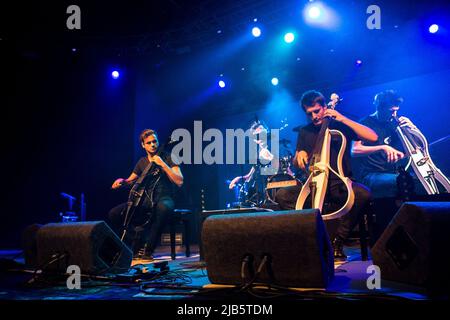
[[358, 62], [314, 12], [115, 74], [222, 84], [256, 32], [320, 15], [289, 37], [433, 28], [275, 81]]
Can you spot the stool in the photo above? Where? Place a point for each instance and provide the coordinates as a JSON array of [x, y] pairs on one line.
[[362, 231], [363, 235], [185, 217], [364, 226]]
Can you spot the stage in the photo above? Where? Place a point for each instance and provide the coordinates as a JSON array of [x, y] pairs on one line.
[[187, 280], [213, 126]]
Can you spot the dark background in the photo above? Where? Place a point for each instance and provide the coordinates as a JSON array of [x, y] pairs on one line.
[[69, 127]]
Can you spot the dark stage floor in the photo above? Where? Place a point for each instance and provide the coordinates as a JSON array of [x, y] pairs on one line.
[[187, 280]]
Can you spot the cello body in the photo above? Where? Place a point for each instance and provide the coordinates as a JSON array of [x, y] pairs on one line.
[[416, 148]]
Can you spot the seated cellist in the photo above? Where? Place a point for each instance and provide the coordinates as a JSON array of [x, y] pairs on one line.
[[380, 161], [313, 103]]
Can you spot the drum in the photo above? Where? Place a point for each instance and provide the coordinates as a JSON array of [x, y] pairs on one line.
[[278, 182]]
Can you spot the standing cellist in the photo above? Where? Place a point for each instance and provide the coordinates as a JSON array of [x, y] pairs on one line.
[[315, 107]]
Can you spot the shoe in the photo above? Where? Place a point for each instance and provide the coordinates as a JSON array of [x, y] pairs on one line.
[[142, 254], [146, 257], [143, 257], [338, 249]]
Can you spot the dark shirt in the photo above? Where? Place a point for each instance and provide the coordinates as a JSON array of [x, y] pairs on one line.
[[157, 178], [307, 139], [377, 161]]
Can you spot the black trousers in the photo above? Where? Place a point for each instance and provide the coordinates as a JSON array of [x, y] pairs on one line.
[[336, 194], [146, 224], [385, 185]]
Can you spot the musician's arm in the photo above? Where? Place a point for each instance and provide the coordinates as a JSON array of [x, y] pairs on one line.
[[392, 154], [174, 174], [247, 178], [301, 155], [363, 132], [125, 182], [358, 149], [249, 175], [132, 178]]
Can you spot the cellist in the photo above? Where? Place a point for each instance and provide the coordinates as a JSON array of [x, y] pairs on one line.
[[314, 105], [379, 161]]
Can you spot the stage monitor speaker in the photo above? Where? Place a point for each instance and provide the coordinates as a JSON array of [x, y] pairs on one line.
[[29, 236], [92, 246], [414, 248], [295, 242]]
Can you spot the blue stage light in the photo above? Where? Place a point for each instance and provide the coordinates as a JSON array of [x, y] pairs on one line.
[[256, 32], [314, 12], [289, 37], [275, 81], [433, 28], [320, 15], [115, 74], [222, 84]]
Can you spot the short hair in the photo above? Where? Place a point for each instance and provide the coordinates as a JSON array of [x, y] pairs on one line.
[[310, 98], [145, 133], [387, 99]]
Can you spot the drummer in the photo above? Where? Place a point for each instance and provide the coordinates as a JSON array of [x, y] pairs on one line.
[[257, 129]]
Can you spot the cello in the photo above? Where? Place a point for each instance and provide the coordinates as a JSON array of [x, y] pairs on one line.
[[320, 168], [416, 148]]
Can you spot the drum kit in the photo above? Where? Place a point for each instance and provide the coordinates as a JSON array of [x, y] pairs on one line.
[[259, 190]]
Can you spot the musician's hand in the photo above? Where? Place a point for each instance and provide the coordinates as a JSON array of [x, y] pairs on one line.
[[118, 183], [405, 122], [334, 114], [157, 160], [302, 160], [392, 154]]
